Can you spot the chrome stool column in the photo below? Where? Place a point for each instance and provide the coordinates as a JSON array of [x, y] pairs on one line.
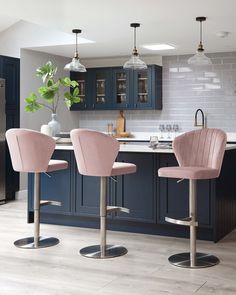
[[200, 155], [103, 250], [95, 154]]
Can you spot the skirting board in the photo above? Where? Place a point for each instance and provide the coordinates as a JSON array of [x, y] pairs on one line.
[[20, 195]]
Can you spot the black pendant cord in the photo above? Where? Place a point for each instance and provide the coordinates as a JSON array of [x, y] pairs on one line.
[[76, 44], [135, 38], [200, 46], [76, 32]]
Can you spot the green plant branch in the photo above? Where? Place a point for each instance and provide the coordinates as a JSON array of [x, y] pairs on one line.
[[50, 91]]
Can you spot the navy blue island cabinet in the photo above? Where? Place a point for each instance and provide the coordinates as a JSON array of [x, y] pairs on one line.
[[116, 88], [148, 197]]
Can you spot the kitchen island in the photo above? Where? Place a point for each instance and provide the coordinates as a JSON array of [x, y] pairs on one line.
[[149, 198]]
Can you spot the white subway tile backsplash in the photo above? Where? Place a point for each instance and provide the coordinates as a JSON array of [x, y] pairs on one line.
[[185, 89]]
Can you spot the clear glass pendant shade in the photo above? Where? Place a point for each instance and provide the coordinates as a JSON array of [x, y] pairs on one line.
[[135, 63], [75, 66], [199, 59]]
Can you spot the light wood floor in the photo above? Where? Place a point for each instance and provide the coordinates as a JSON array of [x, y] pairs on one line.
[[59, 270]]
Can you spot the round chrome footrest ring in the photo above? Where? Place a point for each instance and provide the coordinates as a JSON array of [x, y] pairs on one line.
[[111, 251], [28, 243], [202, 260]]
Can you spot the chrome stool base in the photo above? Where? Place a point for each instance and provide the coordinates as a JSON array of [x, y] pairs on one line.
[[28, 243], [202, 260], [110, 252]]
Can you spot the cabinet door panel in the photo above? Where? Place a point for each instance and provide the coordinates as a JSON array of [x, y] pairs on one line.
[[174, 197], [121, 88], [87, 195], [11, 73], [142, 83], [137, 191], [57, 187], [102, 94], [83, 80]]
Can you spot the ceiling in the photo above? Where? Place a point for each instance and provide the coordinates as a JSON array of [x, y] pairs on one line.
[[107, 23]]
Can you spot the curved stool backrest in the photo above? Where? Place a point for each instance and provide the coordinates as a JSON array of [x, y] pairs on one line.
[[95, 152], [30, 150], [201, 148]]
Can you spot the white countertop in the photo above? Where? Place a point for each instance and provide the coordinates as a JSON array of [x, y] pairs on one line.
[[139, 148], [145, 136]]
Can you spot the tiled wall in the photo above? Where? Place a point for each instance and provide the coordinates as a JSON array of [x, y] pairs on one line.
[[185, 89]]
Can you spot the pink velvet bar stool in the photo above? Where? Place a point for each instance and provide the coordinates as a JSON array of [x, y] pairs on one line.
[[31, 152], [95, 155], [199, 154]]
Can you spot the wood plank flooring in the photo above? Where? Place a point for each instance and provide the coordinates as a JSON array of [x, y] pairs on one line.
[[145, 270]]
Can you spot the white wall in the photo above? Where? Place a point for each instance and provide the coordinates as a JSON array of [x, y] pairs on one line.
[[26, 35]]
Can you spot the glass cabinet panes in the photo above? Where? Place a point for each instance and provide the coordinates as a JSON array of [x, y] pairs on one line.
[[143, 87], [82, 87], [121, 88], [82, 79], [100, 89]]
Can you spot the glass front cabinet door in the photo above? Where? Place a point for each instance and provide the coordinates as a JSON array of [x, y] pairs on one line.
[[101, 98], [142, 88], [82, 79], [121, 88], [147, 88]]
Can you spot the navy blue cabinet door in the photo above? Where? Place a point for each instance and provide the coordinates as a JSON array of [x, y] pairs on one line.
[[10, 71], [147, 93], [55, 187], [121, 82], [87, 196], [84, 90], [137, 191], [101, 84], [174, 197]]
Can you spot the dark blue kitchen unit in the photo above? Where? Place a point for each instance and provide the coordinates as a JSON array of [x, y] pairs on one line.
[[116, 88], [149, 197]]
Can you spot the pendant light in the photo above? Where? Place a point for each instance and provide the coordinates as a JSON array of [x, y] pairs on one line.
[[75, 65], [200, 58], [135, 62]]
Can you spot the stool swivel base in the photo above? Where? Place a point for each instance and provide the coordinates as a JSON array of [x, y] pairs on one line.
[[202, 260], [43, 242], [110, 251]]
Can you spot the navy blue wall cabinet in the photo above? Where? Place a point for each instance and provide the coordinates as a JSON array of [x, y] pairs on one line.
[[149, 197], [10, 71], [116, 88]]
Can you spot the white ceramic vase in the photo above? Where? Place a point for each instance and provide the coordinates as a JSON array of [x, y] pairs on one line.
[[54, 125]]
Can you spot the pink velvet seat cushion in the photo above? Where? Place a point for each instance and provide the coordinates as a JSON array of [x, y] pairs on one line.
[[188, 172], [120, 168], [55, 165]]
